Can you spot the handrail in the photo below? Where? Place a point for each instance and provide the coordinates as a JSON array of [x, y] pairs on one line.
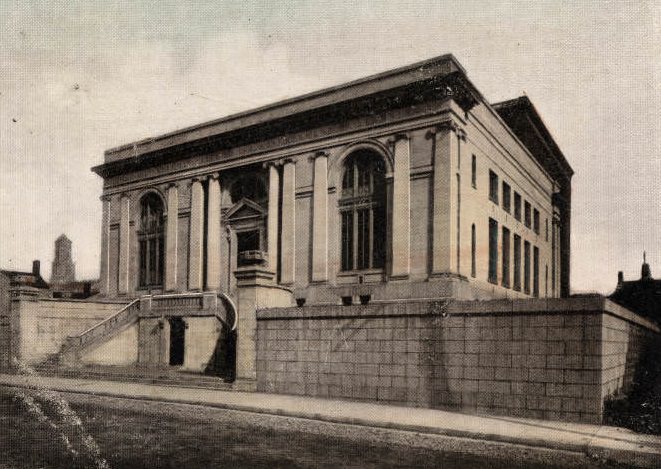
[[122, 316], [227, 298], [100, 324]]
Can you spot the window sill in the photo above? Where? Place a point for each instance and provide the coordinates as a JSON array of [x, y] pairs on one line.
[[348, 273], [151, 289], [361, 277]]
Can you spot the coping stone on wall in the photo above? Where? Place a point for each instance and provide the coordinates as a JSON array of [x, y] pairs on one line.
[[595, 304]]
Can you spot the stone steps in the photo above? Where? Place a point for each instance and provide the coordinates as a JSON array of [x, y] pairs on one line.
[[144, 375]]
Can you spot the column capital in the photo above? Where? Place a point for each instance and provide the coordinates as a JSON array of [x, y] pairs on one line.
[[124, 195], [448, 125], [318, 154], [400, 136], [271, 164], [172, 185], [106, 198], [195, 179], [213, 176], [288, 160]]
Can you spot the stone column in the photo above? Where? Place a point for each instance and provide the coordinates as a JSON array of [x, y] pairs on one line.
[[288, 243], [213, 234], [196, 241], [445, 230], [104, 284], [320, 218], [272, 220], [124, 244], [401, 208], [172, 238]]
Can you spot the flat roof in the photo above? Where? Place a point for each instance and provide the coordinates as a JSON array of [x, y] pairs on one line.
[[402, 76]]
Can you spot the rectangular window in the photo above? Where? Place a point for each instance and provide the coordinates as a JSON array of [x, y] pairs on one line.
[[493, 187], [535, 271], [347, 240], [246, 243], [526, 267], [507, 197], [535, 220], [506, 257], [553, 257], [517, 262], [473, 253], [517, 206], [493, 250], [474, 172], [528, 220], [546, 222]]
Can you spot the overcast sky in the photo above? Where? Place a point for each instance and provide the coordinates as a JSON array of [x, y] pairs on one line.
[[77, 78]]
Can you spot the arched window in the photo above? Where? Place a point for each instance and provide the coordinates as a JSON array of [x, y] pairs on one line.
[[150, 237], [249, 186], [363, 212]]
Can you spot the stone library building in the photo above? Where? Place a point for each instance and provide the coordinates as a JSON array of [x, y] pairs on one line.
[[397, 238]]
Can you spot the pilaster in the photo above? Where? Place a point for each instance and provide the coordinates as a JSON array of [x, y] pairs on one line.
[[196, 242], [104, 283], [401, 208], [288, 240], [320, 218], [124, 244], [273, 217], [213, 233], [172, 238], [446, 200]]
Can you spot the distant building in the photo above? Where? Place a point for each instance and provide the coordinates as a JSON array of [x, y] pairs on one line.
[[79, 289], [64, 270], [642, 296], [20, 281]]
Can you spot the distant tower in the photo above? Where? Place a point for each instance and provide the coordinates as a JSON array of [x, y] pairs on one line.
[[64, 270], [646, 272]]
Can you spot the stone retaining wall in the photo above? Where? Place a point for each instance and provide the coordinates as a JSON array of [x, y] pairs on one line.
[[550, 358], [42, 325]]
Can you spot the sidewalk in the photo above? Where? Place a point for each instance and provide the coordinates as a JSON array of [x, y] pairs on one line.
[[608, 443]]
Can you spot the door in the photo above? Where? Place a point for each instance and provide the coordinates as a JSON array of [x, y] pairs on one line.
[[177, 341]]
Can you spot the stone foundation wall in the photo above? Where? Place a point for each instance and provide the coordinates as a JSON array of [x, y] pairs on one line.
[[550, 358], [624, 344]]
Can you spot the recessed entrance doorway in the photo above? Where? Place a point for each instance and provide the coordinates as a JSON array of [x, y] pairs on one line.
[[177, 341]]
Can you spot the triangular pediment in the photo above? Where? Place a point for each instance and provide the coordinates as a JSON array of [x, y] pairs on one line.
[[245, 208]]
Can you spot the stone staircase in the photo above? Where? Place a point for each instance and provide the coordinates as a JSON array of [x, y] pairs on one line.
[[73, 346], [144, 375], [149, 306]]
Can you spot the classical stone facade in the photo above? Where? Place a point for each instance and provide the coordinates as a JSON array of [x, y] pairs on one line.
[[408, 184], [404, 186]]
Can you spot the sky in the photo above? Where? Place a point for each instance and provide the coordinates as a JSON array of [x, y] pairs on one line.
[[77, 78]]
